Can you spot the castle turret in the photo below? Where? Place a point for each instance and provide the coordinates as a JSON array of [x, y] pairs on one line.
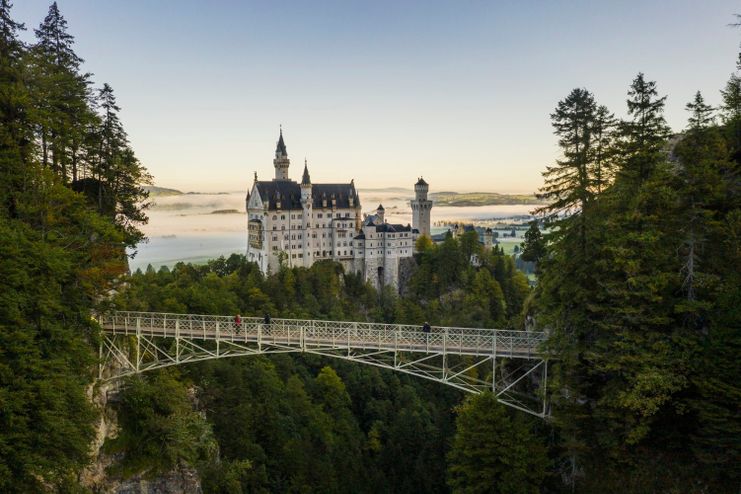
[[381, 213], [281, 161], [488, 239], [305, 183], [306, 203], [421, 207]]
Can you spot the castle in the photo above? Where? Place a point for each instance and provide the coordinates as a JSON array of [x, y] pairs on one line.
[[298, 224]]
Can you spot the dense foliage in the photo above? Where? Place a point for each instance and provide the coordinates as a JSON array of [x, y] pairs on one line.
[[60, 253], [640, 287], [289, 423], [495, 452]]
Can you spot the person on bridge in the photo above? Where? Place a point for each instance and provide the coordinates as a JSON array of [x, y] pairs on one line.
[[237, 323], [426, 327], [266, 320]]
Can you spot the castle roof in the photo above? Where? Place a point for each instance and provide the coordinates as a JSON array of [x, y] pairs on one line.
[[281, 147], [288, 193], [421, 181], [306, 179], [380, 208], [393, 228]]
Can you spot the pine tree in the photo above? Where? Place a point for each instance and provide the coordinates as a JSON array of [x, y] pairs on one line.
[[15, 127], [533, 248], [643, 136], [493, 452], [602, 150], [731, 114], [701, 114], [61, 95], [117, 177]]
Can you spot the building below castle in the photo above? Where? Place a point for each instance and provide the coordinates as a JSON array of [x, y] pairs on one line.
[[380, 247], [298, 224]]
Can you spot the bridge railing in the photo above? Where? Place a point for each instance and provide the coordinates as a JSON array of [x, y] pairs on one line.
[[319, 333]]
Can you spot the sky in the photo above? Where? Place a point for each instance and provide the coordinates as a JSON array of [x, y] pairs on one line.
[[381, 92]]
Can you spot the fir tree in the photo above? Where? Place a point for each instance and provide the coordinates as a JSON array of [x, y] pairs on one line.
[[493, 452], [701, 114]]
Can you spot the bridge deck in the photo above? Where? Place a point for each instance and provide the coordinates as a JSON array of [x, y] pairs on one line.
[[312, 334]]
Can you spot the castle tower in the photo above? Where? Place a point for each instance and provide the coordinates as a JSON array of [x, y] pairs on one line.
[[281, 161], [381, 213], [306, 202], [421, 207], [488, 239]]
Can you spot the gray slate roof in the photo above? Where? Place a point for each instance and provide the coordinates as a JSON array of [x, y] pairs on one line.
[[281, 147], [289, 194]]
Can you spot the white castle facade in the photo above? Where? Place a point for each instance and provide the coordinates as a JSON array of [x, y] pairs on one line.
[[298, 224]]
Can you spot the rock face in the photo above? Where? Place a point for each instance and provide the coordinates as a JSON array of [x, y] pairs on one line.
[[407, 266], [184, 481], [96, 477]]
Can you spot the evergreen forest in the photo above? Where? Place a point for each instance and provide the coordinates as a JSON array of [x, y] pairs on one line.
[[637, 252]]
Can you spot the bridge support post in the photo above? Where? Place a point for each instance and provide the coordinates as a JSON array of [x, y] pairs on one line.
[[494, 365], [545, 387], [177, 341], [445, 355], [396, 348], [259, 337], [138, 343]]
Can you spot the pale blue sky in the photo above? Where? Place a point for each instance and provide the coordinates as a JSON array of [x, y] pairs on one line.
[[382, 92]]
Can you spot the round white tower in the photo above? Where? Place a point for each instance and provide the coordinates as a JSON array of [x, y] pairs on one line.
[[421, 207]]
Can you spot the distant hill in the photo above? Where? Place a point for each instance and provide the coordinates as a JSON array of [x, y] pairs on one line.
[[155, 191], [481, 199], [388, 189]]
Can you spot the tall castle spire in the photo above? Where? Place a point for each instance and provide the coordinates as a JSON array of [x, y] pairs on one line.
[[306, 179], [281, 161], [280, 149]]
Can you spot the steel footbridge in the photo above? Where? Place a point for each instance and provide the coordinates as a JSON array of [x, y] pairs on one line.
[[469, 359]]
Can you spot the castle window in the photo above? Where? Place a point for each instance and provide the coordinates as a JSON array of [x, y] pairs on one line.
[[320, 215], [275, 227], [300, 256], [275, 217], [275, 247], [282, 216], [282, 227]]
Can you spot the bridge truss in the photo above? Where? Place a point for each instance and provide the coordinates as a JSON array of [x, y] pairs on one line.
[[472, 360]]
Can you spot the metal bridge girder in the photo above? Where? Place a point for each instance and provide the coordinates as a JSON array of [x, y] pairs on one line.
[[472, 360]]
